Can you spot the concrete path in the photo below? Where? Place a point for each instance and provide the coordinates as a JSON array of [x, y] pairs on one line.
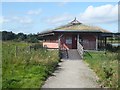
[[72, 73]]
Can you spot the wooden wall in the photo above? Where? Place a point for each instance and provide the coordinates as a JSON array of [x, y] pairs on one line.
[[88, 41]]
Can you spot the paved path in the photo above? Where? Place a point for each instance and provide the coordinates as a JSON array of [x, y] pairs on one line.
[[72, 73]]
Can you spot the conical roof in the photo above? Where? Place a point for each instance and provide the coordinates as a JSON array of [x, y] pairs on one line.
[[76, 26]]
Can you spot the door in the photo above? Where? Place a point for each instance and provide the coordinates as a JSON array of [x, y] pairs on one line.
[[74, 42]]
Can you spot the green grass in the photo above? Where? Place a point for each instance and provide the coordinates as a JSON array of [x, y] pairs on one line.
[[105, 66], [0, 64], [29, 69]]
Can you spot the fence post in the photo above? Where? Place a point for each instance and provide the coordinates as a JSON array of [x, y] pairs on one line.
[[16, 51], [30, 48]]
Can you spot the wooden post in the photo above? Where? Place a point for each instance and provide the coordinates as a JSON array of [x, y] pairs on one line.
[[29, 48], [16, 51], [96, 42], [77, 40], [105, 43], [111, 40], [59, 41]]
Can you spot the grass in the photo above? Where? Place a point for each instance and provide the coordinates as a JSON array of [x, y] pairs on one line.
[[29, 69], [0, 64], [106, 67]]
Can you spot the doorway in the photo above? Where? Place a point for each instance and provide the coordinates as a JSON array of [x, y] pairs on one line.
[[74, 41]]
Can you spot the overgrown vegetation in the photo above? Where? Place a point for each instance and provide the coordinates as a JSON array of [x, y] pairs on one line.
[[105, 64], [27, 68]]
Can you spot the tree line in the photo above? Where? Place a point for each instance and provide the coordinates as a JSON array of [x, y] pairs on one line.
[[6, 36]]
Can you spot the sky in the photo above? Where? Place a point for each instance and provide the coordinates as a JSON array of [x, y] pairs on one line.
[[35, 17]]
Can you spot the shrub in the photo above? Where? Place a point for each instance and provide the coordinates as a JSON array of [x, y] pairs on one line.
[[111, 48], [36, 46]]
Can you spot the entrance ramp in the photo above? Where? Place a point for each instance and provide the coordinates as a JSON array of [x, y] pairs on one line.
[[72, 73], [72, 55]]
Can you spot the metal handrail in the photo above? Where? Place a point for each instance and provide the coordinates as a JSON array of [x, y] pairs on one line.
[[64, 48]]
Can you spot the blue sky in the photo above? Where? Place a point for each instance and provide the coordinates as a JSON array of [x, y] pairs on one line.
[[34, 17]]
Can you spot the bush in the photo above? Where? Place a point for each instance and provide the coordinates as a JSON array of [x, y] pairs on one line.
[[36, 46], [111, 48]]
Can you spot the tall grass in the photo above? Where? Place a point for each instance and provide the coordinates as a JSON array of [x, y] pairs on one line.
[[105, 64], [0, 64], [29, 69]]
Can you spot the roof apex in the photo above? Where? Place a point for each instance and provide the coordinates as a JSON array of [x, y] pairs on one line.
[[75, 21]]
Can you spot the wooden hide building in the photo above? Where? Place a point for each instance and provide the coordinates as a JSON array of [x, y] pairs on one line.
[[75, 34]]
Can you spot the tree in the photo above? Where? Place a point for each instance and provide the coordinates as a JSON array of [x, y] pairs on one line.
[[32, 38], [21, 36], [8, 35]]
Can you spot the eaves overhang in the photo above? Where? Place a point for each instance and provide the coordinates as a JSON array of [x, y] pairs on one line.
[[46, 34]]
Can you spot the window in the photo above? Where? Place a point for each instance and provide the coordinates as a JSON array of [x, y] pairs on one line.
[[68, 40]]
